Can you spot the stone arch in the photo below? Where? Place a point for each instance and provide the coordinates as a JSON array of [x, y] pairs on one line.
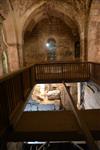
[[37, 14], [44, 30], [65, 13]]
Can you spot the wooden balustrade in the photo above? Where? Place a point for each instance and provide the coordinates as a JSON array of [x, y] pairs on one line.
[[95, 72], [14, 89], [4, 117], [58, 72]]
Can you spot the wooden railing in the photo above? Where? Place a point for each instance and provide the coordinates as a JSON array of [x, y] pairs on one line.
[[15, 87], [95, 72], [58, 72]]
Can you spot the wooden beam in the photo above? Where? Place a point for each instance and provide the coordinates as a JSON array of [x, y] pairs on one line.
[[90, 141]]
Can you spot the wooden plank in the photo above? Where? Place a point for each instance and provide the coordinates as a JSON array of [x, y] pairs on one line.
[[56, 125], [89, 138]]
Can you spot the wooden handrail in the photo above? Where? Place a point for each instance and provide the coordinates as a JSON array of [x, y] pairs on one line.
[[63, 62], [14, 73], [14, 89]]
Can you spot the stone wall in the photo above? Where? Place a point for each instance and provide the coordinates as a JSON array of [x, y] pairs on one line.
[[94, 32], [91, 96], [35, 49], [10, 36], [65, 100], [12, 43]]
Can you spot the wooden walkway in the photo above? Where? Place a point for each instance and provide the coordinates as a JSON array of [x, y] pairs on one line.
[[55, 126]]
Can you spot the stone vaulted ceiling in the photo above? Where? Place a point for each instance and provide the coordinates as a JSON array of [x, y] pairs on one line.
[[21, 6], [44, 8], [27, 4], [74, 9], [30, 12]]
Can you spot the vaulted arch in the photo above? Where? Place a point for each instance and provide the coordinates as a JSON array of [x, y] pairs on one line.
[[64, 12]]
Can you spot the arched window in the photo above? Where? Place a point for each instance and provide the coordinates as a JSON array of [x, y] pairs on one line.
[[51, 47]]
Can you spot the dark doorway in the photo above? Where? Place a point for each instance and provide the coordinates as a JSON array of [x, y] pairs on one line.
[[77, 49]]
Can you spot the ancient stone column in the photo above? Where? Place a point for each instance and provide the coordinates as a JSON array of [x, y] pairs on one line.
[[1, 48]]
